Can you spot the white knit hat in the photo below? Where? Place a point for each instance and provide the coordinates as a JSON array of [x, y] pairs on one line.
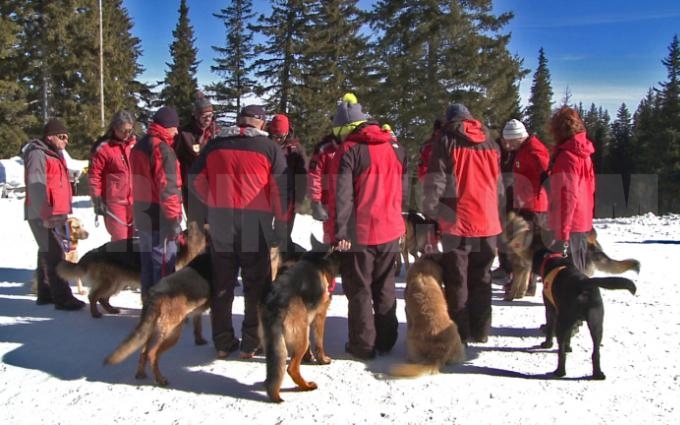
[[514, 129]]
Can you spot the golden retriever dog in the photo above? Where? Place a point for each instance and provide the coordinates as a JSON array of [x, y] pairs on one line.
[[432, 338], [76, 233]]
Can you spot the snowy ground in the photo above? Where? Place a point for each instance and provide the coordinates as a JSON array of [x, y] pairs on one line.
[[51, 370]]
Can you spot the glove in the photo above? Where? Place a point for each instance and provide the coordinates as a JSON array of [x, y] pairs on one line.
[[319, 212], [175, 230], [99, 206], [560, 247]]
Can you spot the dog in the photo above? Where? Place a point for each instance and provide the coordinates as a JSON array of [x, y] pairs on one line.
[[296, 301], [520, 234], [432, 338], [76, 233], [571, 296], [114, 266], [175, 298], [415, 239]]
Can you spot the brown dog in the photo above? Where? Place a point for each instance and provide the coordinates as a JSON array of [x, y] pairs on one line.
[[116, 265], [298, 299], [76, 233], [176, 297], [432, 338]]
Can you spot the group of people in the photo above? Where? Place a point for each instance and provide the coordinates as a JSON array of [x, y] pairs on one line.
[[247, 181]]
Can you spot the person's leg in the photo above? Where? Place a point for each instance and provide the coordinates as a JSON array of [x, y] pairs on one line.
[[356, 269], [578, 249], [384, 296], [257, 275], [41, 236], [221, 301], [479, 286], [454, 268]]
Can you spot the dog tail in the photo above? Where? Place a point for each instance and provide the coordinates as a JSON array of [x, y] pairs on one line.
[[271, 319], [70, 271], [605, 264], [412, 370], [614, 283], [138, 337]]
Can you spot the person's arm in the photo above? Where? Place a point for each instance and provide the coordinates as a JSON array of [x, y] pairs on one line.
[[166, 172]]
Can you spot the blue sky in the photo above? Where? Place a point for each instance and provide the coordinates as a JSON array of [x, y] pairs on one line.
[[605, 52]]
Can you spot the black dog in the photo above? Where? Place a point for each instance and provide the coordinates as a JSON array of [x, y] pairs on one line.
[[571, 296]]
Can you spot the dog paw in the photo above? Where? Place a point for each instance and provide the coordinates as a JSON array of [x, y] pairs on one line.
[[323, 360], [559, 373], [140, 375], [546, 344], [96, 315], [161, 381], [200, 341], [309, 387]]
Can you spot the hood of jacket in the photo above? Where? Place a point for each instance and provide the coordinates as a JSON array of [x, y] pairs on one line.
[[371, 134], [467, 129], [579, 145]]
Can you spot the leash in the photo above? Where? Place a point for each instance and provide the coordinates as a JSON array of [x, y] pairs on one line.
[[64, 239]]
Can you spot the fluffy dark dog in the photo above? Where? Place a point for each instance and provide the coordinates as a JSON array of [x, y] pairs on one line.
[[297, 299], [432, 338], [571, 296], [520, 235], [176, 297], [110, 268]]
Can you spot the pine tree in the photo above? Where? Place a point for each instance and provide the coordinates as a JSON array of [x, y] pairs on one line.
[[669, 93], [620, 156], [235, 58], [277, 54], [332, 61], [597, 126], [431, 54], [540, 102], [15, 118], [180, 80]]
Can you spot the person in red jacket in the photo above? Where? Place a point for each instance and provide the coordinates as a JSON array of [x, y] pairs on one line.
[[110, 177], [321, 178], [191, 140], [372, 184], [571, 186], [530, 160], [461, 192], [426, 149], [156, 190], [46, 208], [296, 159], [241, 178]]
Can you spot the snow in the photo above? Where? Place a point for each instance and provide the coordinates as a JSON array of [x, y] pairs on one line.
[[51, 369]]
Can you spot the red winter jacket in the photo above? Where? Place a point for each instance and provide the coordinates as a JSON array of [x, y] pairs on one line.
[[461, 188], [425, 153], [156, 180], [371, 187], [48, 188], [322, 180], [109, 173], [530, 166], [572, 187]]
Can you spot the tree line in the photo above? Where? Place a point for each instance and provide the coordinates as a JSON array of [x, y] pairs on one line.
[[405, 59]]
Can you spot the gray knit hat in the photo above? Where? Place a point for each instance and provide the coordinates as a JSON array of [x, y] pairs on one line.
[[457, 111], [349, 111], [514, 129]]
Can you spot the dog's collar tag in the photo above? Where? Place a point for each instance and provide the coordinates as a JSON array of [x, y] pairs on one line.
[[548, 284]]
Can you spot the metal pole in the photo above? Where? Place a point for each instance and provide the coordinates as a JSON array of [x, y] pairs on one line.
[[101, 65]]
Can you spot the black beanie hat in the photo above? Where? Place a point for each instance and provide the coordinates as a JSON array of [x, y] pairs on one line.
[[166, 117], [54, 126]]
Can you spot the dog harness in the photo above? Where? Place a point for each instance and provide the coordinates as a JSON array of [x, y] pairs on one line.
[[548, 284]]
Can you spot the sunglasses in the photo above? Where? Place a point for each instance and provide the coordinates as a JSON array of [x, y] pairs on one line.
[[125, 130], [62, 136]]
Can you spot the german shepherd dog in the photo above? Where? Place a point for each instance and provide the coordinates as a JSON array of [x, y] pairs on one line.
[[176, 297], [571, 296], [110, 268], [519, 234], [432, 338], [297, 299], [414, 241]]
